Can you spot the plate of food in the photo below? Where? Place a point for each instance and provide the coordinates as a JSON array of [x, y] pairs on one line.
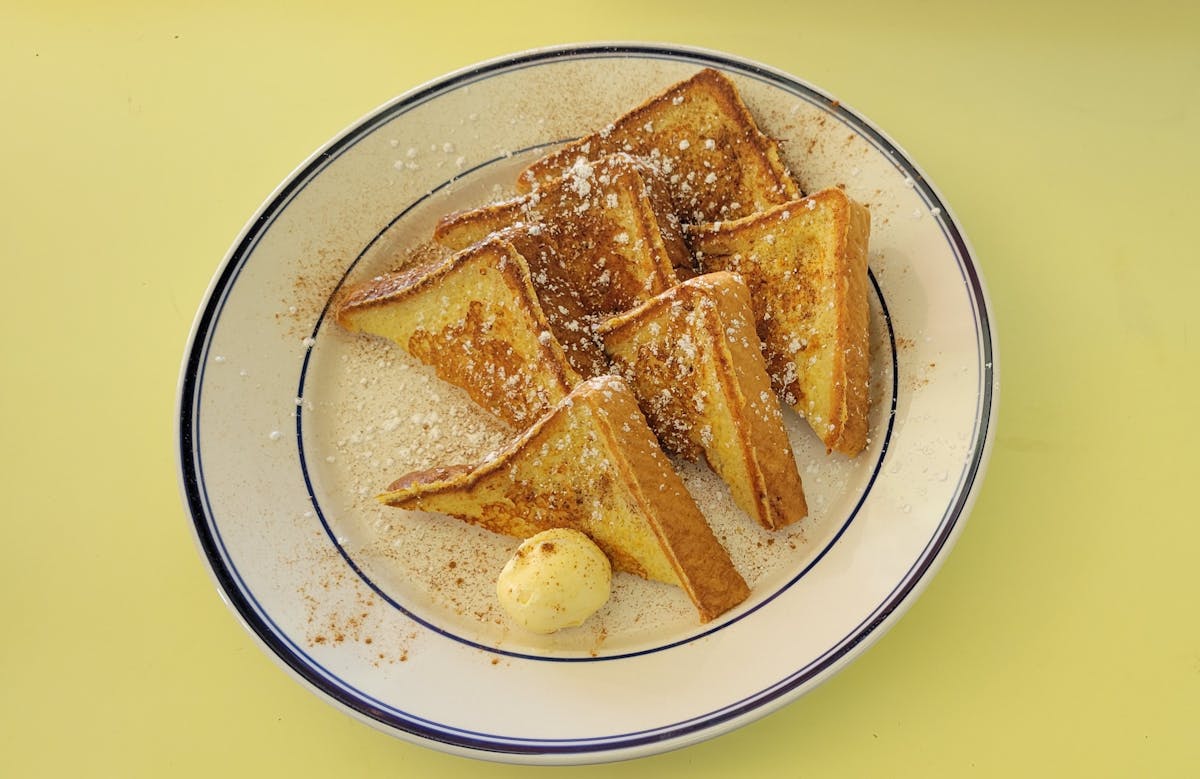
[[587, 403]]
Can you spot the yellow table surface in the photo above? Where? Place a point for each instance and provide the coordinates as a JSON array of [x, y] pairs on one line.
[[1062, 636]]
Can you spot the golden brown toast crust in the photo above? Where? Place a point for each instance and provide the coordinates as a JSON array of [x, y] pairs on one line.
[[565, 304], [702, 138], [598, 241], [695, 363], [806, 265], [591, 464], [475, 318], [614, 209]]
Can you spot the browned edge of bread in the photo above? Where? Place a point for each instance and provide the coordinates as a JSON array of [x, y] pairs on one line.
[[773, 495], [555, 210], [406, 283], [724, 92], [847, 428]]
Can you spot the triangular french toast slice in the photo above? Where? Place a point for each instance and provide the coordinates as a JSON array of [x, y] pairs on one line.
[[694, 360], [591, 464], [475, 318], [703, 140], [806, 265]]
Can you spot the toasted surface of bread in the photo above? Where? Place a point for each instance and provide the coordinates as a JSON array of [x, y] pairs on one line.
[[694, 360], [591, 464], [598, 240], [476, 319], [701, 137], [806, 265], [566, 304]]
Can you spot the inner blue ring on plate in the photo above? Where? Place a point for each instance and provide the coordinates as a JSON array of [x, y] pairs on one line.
[[584, 658]]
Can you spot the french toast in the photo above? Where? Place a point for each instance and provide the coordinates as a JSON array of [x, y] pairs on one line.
[[694, 360], [702, 138], [475, 318], [591, 464], [598, 241], [806, 265], [567, 309]]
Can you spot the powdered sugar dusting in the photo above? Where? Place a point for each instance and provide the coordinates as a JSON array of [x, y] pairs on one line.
[[376, 414], [380, 414]]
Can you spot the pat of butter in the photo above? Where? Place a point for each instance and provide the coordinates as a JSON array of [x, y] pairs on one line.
[[557, 579]]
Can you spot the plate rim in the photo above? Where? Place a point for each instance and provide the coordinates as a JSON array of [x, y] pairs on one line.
[[560, 751]]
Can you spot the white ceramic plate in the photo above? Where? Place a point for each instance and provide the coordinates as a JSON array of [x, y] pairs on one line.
[[288, 426]]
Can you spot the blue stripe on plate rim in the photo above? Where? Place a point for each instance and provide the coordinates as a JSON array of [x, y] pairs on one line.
[[259, 623]]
